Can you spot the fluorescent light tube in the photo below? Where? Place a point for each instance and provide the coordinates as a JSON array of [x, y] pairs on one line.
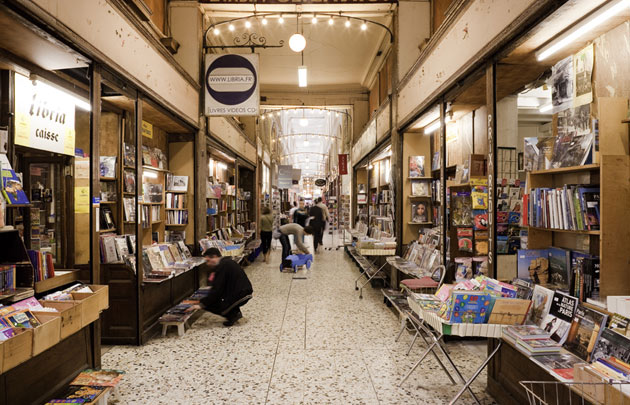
[[302, 72]]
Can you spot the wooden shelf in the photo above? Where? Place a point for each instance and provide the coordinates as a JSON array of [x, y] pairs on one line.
[[128, 193], [565, 231], [107, 230], [176, 192], [108, 202], [156, 169], [176, 224], [420, 178], [156, 222], [420, 196], [212, 198], [176, 209], [572, 169], [107, 178], [129, 222], [129, 167], [419, 223], [62, 277]]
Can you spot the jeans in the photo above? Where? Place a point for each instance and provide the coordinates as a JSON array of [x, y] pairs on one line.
[[286, 246], [317, 237], [265, 238]]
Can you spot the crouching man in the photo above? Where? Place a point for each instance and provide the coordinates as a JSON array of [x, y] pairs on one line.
[[230, 290]]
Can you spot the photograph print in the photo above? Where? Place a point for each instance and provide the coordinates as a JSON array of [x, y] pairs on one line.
[[583, 71], [562, 84], [419, 212], [420, 188]]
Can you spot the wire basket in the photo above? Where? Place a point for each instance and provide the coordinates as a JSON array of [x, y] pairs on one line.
[[578, 393]]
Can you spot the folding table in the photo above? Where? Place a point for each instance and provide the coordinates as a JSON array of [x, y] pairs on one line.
[[373, 253], [436, 328]]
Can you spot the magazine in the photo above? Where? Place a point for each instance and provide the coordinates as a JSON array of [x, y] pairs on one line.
[[129, 156], [416, 166], [108, 166], [541, 302], [559, 268], [533, 264], [13, 191], [560, 316], [531, 154], [560, 364], [585, 329], [98, 378], [130, 182]]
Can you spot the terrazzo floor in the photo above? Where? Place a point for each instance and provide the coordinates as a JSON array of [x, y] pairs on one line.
[[307, 341]]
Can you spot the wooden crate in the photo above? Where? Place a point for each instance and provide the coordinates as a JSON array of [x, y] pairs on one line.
[[102, 293], [90, 310], [17, 350], [48, 333], [70, 314]]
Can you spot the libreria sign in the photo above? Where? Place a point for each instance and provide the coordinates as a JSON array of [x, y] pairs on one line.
[[44, 117], [231, 85]]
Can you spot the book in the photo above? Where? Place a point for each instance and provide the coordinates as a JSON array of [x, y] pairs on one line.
[[419, 212], [107, 218], [108, 166], [129, 205], [525, 332], [129, 155], [509, 311], [585, 330], [23, 318], [530, 154], [561, 313], [559, 268], [86, 393], [533, 264], [416, 166], [524, 288], [537, 346], [467, 307], [560, 364], [153, 192], [620, 324], [541, 302], [98, 378], [12, 189], [420, 188], [130, 182], [611, 343], [590, 198]]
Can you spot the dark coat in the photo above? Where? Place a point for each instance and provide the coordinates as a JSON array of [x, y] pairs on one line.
[[230, 284], [318, 217], [300, 216]]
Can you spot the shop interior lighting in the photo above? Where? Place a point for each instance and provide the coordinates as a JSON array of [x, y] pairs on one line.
[[528, 102], [305, 139], [347, 24], [54, 91], [302, 76], [221, 165], [588, 24], [331, 21], [297, 42], [248, 24], [281, 20], [264, 21], [430, 117], [149, 174], [314, 19], [546, 108], [231, 27], [363, 26], [304, 123], [216, 31]]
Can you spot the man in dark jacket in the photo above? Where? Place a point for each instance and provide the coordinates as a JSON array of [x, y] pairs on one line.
[[317, 223], [230, 290]]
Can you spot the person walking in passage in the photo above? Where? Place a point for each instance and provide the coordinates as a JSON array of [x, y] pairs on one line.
[[292, 211], [231, 289], [298, 237], [266, 232], [317, 223]]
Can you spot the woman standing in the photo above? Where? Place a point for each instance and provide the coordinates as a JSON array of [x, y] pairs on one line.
[[266, 231]]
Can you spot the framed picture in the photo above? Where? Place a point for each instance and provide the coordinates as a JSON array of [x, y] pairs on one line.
[[416, 166], [420, 188], [361, 188], [361, 198]]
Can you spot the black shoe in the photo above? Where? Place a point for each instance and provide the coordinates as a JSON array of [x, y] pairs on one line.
[[232, 320]]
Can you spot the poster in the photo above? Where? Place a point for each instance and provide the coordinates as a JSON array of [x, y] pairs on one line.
[[285, 176], [44, 117], [147, 129], [583, 76], [82, 200], [231, 85]]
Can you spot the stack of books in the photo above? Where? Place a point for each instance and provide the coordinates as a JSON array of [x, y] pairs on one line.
[[532, 338]]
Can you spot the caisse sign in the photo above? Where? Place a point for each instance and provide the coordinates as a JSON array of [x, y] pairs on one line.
[[231, 85]]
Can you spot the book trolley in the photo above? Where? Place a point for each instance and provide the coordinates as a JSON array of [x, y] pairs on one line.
[[432, 328]]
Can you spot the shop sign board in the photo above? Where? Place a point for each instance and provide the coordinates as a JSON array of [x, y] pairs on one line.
[[231, 85], [44, 117], [147, 129], [285, 176], [343, 164]]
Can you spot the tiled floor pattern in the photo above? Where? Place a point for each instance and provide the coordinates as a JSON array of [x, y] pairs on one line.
[[300, 342]]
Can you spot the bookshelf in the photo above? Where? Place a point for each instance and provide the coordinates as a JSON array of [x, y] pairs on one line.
[[415, 144], [607, 242]]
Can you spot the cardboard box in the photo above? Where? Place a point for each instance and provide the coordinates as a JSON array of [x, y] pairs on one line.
[[48, 333], [70, 314], [18, 349], [593, 389]]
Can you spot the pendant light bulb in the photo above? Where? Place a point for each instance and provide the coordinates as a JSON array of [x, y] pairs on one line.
[[347, 24], [304, 123], [363, 26], [280, 20], [231, 27], [297, 42], [248, 24], [264, 21], [216, 31], [331, 21], [302, 76], [314, 19]]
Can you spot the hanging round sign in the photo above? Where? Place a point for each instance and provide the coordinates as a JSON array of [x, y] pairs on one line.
[[320, 182]]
